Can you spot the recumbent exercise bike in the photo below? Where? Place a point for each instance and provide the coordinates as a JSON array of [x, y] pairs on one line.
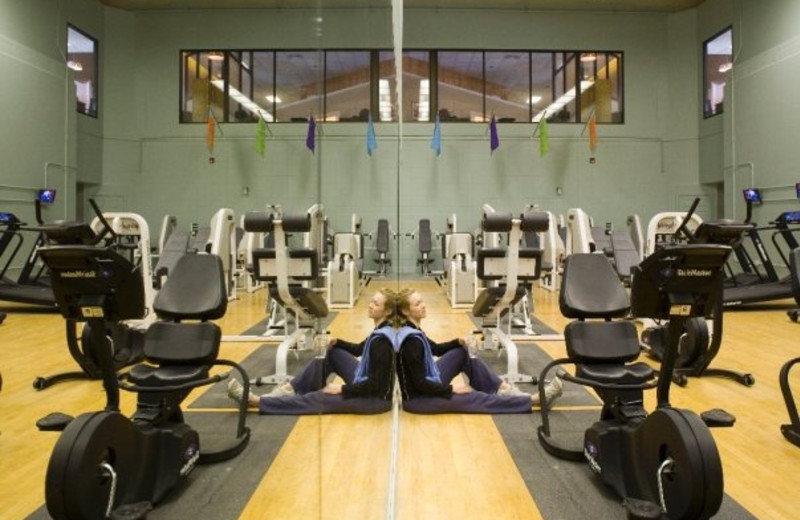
[[664, 464], [104, 462]]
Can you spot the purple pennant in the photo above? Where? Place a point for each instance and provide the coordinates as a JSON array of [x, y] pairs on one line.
[[494, 139], [312, 133]]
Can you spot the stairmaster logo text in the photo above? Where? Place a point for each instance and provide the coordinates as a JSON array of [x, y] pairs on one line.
[[694, 273], [79, 274]]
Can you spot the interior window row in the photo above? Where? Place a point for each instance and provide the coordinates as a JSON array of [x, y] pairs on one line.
[[240, 86]]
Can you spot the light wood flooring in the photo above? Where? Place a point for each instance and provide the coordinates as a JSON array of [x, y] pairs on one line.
[[339, 466]]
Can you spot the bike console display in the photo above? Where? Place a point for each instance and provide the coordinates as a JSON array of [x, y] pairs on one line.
[[684, 280]]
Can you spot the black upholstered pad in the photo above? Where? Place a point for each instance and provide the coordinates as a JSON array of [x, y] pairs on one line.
[[601, 341], [194, 290], [488, 298], [633, 374], [169, 375], [309, 300], [590, 288], [182, 343]]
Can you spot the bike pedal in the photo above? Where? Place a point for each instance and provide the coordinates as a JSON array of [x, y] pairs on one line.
[[718, 418], [54, 422]]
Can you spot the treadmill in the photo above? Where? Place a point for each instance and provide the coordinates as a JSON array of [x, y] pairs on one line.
[[13, 291], [768, 286]]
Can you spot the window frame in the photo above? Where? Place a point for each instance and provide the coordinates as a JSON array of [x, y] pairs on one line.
[[96, 67], [704, 86]]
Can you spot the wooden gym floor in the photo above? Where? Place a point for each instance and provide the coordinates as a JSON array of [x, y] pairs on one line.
[[452, 466]]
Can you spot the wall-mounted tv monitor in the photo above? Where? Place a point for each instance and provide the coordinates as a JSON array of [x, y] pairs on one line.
[[46, 196], [752, 195]]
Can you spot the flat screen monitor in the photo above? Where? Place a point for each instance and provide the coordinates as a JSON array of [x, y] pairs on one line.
[[752, 195], [46, 196]]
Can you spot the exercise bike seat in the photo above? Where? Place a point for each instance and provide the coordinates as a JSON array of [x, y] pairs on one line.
[[183, 352], [601, 350]]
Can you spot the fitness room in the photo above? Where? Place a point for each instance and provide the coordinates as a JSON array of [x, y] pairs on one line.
[[316, 259]]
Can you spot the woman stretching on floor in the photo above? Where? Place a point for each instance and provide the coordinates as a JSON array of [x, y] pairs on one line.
[[426, 383], [367, 387]]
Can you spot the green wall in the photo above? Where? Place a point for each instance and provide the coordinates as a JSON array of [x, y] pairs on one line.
[[137, 157]]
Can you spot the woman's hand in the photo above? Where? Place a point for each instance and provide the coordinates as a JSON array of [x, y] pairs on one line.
[[332, 388]]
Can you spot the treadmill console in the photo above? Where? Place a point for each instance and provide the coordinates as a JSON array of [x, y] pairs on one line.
[[789, 217], [46, 196], [752, 195]]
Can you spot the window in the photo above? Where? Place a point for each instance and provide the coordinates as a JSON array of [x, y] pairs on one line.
[[717, 61], [460, 85], [298, 84], [508, 88], [349, 85], [82, 54]]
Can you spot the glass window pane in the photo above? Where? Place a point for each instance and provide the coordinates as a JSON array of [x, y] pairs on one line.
[[717, 61], [203, 86], [82, 59], [460, 86], [507, 86], [298, 84], [263, 72], [541, 83], [416, 86], [347, 86], [387, 85]]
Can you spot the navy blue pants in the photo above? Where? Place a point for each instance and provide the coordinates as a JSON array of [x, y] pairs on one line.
[[483, 399], [309, 398]]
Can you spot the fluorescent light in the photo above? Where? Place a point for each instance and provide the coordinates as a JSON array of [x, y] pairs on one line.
[[535, 99], [424, 106], [75, 65], [247, 103], [562, 101], [589, 57], [273, 99], [215, 56]]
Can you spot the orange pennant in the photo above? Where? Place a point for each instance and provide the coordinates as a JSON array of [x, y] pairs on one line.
[[592, 133], [210, 131]]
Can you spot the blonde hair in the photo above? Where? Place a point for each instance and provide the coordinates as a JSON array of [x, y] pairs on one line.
[[402, 306]]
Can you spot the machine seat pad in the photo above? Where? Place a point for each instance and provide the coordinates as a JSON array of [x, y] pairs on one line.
[[167, 375], [488, 298], [182, 343], [311, 301], [633, 374], [593, 342]]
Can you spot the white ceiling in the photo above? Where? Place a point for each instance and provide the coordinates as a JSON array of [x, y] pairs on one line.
[[670, 6]]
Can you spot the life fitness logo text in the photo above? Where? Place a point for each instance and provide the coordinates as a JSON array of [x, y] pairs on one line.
[[695, 273], [79, 274]]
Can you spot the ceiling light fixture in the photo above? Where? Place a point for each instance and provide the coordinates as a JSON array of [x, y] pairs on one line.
[[75, 65], [216, 56], [273, 99], [725, 67], [588, 56]]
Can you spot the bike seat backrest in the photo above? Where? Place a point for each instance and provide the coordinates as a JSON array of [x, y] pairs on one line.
[[382, 238], [425, 241], [590, 288], [195, 290], [625, 255]]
